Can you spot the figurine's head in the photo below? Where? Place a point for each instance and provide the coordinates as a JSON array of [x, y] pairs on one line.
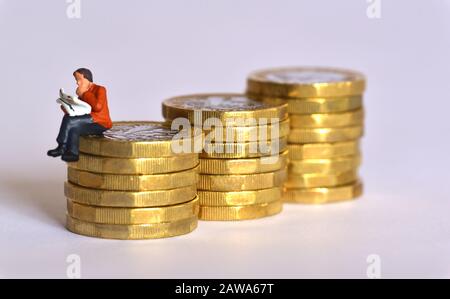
[[83, 76]]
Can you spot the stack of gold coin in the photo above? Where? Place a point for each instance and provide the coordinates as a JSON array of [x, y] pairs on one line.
[[243, 163], [326, 119], [133, 183]]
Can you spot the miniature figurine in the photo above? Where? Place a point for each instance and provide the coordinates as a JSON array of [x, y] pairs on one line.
[[80, 120]]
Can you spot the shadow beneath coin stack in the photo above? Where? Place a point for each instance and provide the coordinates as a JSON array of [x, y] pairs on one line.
[[40, 198]]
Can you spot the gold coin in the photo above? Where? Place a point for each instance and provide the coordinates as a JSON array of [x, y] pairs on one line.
[[124, 182], [132, 232], [325, 135], [314, 180], [323, 195], [302, 82], [315, 105], [233, 213], [323, 150], [328, 120], [135, 166], [242, 182], [242, 166], [128, 216], [239, 198], [228, 108], [141, 140], [246, 134], [325, 166], [129, 199], [257, 149]]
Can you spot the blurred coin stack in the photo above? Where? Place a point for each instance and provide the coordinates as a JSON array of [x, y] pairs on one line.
[[130, 184], [244, 159], [326, 119]]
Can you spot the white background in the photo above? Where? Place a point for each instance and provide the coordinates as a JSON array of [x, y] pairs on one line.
[[146, 51]]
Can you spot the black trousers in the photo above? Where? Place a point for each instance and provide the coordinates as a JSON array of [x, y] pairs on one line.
[[72, 127]]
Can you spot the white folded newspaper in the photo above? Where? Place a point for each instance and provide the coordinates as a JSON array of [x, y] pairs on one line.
[[73, 105]]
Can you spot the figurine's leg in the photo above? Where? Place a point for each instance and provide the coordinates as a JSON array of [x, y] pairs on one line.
[[92, 129], [67, 124], [74, 141], [64, 130], [87, 127], [63, 135]]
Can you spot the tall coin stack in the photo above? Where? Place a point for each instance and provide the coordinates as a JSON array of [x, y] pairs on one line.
[[130, 184], [244, 160], [326, 119]]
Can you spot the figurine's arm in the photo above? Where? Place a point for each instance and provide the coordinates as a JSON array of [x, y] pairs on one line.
[[96, 102]]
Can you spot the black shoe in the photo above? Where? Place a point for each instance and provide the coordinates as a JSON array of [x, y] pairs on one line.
[[59, 151], [70, 157]]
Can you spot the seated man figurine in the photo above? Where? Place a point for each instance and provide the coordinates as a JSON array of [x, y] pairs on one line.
[[95, 123]]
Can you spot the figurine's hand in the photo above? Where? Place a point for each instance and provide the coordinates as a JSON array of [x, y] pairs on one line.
[[63, 109], [82, 88]]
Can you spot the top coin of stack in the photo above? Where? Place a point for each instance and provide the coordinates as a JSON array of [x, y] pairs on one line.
[[243, 163], [132, 184], [326, 119]]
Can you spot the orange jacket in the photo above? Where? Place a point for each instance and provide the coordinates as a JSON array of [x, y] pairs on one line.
[[96, 97]]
